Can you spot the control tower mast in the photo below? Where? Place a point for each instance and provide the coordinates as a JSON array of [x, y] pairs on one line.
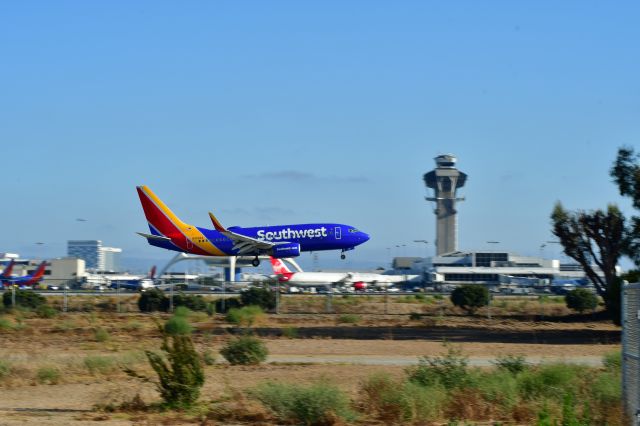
[[445, 179]]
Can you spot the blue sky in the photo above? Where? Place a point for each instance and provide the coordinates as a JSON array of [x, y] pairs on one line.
[[284, 111]]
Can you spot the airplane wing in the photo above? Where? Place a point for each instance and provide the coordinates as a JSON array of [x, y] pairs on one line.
[[154, 237], [242, 243]]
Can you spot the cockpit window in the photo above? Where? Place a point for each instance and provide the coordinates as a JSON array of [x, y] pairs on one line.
[[353, 230]]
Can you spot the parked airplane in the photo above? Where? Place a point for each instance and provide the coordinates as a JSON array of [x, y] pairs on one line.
[[26, 280], [358, 279], [169, 232], [6, 273], [126, 283]]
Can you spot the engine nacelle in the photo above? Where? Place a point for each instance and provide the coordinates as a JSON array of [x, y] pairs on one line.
[[285, 250]]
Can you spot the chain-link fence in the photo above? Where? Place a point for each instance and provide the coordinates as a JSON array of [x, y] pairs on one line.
[[631, 351]]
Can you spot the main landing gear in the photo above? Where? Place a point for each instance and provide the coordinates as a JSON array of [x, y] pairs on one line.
[[256, 262]]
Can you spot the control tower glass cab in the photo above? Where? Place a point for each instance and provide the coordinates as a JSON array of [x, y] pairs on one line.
[[444, 180]]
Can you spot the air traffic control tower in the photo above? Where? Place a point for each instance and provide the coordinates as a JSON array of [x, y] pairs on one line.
[[445, 179]]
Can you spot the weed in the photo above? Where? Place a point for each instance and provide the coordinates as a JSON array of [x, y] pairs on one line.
[[290, 332], [320, 403], [65, 325], [396, 402], [5, 369], [97, 364], [46, 311], [449, 370], [613, 361], [5, 324], [514, 364], [48, 375], [550, 381], [246, 316], [244, 350], [415, 316], [132, 326], [349, 319], [208, 357]]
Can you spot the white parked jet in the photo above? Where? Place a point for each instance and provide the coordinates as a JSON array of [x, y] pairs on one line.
[[357, 279]]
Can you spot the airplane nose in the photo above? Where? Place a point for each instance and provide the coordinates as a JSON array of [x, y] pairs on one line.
[[365, 237]]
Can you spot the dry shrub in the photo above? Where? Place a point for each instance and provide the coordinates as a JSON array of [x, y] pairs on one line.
[[465, 404], [240, 409]]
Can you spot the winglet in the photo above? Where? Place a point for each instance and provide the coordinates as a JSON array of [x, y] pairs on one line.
[[217, 224]]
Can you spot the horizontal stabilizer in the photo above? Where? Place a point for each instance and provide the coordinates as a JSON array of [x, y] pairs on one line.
[[154, 237]]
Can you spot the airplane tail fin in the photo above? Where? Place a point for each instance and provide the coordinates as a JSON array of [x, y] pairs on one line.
[[279, 268], [152, 273], [162, 221], [6, 273], [38, 274]]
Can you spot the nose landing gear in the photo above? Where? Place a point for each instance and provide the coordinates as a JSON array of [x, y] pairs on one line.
[[342, 255], [255, 261]]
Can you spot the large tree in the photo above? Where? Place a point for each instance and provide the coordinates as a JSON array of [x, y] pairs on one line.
[[626, 174], [594, 238]]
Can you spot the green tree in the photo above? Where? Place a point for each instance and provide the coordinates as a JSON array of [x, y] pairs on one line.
[[594, 238], [151, 300], [581, 300], [24, 298], [179, 369], [259, 296], [470, 297], [626, 174]]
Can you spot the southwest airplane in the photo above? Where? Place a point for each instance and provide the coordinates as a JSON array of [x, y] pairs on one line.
[[27, 280], [169, 232], [358, 279]]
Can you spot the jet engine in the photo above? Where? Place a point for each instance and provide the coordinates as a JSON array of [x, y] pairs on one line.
[[285, 250]]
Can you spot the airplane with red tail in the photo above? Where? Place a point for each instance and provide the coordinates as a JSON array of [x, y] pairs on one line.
[[26, 280]]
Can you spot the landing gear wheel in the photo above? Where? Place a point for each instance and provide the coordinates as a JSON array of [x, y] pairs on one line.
[[255, 262], [342, 256]]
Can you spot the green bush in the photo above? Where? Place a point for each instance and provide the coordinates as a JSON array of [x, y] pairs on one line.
[[193, 302], [470, 297], [245, 316], [179, 371], [46, 311], [581, 300], [152, 300], [514, 364], [449, 370], [48, 375], [177, 325], [244, 350], [5, 368], [550, 381], [259, 296], [318, 404], [182, 311], [24, 298], [222, 306], [101, 335]]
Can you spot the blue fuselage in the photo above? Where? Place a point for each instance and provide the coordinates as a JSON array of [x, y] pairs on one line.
[[311, 237]]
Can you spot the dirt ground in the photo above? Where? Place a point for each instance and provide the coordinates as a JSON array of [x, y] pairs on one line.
[[66, 343]]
